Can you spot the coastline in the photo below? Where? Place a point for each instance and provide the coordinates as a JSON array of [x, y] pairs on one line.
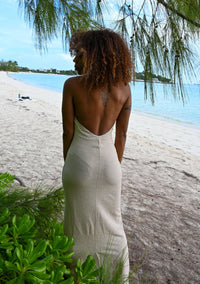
[[161, 176], [52, 73], [162, 109], [53, 98], [140, 123]]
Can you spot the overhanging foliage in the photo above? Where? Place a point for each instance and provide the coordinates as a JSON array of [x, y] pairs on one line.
[[160, 32]]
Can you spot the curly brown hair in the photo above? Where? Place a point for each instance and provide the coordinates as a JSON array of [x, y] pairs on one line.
[[108, 59]]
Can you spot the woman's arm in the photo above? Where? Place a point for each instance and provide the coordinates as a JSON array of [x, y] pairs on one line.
[[121, 127], [67, 116]]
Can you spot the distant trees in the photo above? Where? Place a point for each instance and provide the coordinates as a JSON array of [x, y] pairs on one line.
[[154, 77], [13, 66], [9, 66]]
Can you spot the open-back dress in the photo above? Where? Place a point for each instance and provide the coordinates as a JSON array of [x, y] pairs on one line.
[[92, 186]]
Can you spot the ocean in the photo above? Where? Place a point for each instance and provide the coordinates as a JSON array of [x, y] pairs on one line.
[[165, 105]]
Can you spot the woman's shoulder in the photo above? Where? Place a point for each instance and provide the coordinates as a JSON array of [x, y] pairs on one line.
[[73, 80], [122, 89], [72, 83], [123, 85]]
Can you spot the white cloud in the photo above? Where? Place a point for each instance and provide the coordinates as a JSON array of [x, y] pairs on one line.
[[66, 56]]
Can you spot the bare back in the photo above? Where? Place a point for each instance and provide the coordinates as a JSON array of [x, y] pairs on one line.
[[98, 110]]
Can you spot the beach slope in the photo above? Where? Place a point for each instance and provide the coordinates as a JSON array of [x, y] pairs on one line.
[[161, 176]]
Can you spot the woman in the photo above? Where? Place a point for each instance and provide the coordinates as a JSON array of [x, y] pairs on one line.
[[92, 104]]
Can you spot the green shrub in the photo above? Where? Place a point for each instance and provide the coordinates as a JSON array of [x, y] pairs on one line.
[[33, 247], [6, 181], [44, 205], [24, 259]]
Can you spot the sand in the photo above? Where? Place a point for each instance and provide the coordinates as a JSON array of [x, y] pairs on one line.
[[161, 176]]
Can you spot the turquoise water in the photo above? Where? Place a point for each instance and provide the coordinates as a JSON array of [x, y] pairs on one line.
[[165, 105]]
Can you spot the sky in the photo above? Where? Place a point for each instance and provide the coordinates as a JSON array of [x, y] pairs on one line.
[[17, 42]]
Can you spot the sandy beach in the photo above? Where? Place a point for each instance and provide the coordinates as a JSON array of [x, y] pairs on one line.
[[161, 176]]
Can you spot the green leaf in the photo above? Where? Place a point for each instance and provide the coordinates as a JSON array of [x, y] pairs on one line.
[[56, 241], [41, 264], [38, 251], [28, 235], [40, 275], [6, 181], [89, 265], [25, 261], [25, 224], [7, 246], [66, 257], [47, 259], [68, 281], [70, 243], [3, 230], [58, 275], [20, 280], [78, 264], [58, 228], [18, 265], [19, 252], [4, 215], [38, 266], [14, 220], [9, 251], [29, 248], [36, 280], [62, 243], [11, 266]]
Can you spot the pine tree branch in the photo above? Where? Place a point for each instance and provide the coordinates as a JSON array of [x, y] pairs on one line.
[[166, 5]]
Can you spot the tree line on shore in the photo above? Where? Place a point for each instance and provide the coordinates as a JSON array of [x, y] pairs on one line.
[[13, 66]]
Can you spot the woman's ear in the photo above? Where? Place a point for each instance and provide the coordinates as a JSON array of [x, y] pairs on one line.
[[83, 54], [80, 61]]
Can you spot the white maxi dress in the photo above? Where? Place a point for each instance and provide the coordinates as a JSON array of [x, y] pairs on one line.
[[92, 186]]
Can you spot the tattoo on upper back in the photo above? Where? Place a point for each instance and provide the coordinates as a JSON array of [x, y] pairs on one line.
[[128, 108], [105, 97]]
